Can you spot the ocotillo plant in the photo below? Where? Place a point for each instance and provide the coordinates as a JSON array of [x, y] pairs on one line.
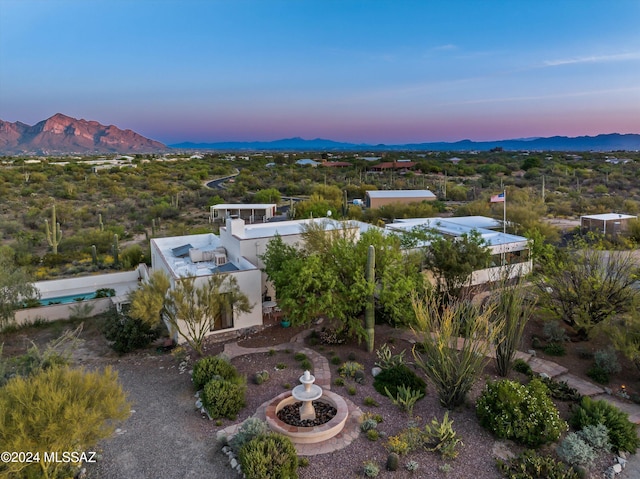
[[369, 312], [54, 233]]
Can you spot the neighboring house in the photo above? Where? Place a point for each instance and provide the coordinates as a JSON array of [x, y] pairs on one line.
[[607, 223], [251, 213], [237, 250], [394, 165], [307, 162], [506, 249], [378, 198]]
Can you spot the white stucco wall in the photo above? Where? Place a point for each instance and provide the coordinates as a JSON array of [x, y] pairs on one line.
[[55, 312]]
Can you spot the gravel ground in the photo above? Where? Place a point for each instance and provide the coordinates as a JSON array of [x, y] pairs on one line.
[[165, 437]]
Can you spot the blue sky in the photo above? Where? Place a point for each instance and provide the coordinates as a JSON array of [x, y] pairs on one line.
[[369, 71]]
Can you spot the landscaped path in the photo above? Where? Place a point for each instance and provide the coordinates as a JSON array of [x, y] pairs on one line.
[[538, 365]]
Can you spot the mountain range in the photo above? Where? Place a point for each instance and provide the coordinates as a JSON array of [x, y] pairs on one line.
[[608, 142], [62, 134]]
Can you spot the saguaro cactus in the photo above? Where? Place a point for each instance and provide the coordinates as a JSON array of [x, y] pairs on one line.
[[100, 223], [54, 233], [345, 204], [369, 312], [116, 258], [94, 254]]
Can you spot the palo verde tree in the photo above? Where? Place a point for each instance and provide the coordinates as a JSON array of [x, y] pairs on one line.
[[584, 286], [15, 287], [194, 310], [191, 310], [57, 410]]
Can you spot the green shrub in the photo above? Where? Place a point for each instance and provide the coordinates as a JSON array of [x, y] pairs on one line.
[[561, 390], [299, 356], [524, 414], [369, 401], [521, 366], [391, 379], [597, 436], [555, 349], [269, 455], [554, 332], [575, 451], [351, 356], [373, 435], [349, 369], [351, 390], [529, 465], [128, 334], [599, 375], [281, 366], [371, 469], [607, 360], [207, 368], [249, 429], [224, 398], [336, 360], [306, 365], [303, 462], [338, 381], [622, 432]]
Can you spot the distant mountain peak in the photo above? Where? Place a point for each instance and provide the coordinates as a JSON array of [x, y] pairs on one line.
[[61, 134]]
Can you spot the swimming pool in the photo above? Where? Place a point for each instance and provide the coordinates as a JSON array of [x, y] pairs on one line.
[[70, 298]]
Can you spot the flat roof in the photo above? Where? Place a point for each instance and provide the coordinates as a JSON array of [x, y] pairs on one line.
[[183, 266], [609, 217], [400, 194], [458, 226], [292, 227], [244, 206]]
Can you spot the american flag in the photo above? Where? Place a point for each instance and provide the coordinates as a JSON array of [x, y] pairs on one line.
[[497, 198]]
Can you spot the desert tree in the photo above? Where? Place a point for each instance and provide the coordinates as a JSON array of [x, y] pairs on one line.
[[193, 311], [56, 410], [451, 261], [585, 287]]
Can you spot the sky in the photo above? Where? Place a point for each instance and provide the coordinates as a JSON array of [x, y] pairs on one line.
[[362, 71]]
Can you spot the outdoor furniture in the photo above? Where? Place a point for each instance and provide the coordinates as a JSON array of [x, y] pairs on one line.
[[267, 308]]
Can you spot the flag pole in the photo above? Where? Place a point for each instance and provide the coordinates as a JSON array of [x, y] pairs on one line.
[[504, 217]]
